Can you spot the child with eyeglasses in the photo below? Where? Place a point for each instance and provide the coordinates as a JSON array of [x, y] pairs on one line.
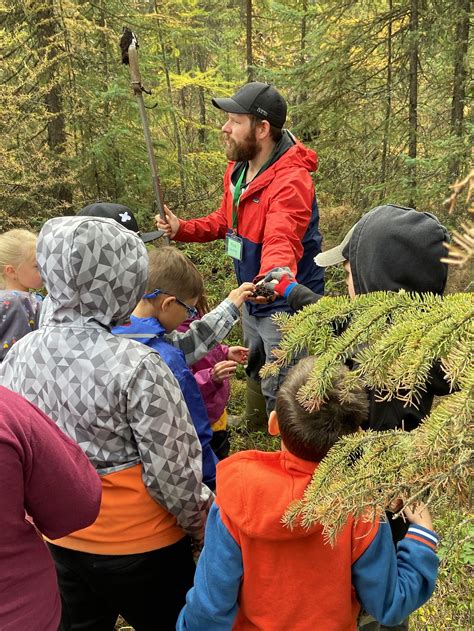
[[173, 290]]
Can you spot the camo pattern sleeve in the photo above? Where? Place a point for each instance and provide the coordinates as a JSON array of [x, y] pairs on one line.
[[205, 333]]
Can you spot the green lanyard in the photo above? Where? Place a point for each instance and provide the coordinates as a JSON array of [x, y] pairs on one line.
[[236, 199]]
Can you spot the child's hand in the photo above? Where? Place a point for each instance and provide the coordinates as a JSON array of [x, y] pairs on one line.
[[264, 293], [241, 294], [238, 354], [420, 516], [396, 505], [223, 370]]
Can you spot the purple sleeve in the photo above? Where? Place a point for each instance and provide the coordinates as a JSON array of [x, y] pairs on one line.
[[215, 395], [62, 489]]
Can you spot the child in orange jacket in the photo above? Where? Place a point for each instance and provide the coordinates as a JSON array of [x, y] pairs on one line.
[[254, 573]]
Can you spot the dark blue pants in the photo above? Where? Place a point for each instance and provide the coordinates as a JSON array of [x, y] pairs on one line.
[[146, 589]]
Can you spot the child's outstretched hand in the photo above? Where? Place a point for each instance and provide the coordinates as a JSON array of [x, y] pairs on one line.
[[223, 370], [241, 294], [420, 516], [238, 354]]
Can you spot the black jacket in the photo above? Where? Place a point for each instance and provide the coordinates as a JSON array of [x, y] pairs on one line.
[[394, 248]]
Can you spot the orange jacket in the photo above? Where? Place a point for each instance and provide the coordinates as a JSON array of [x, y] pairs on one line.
[[255, 574]]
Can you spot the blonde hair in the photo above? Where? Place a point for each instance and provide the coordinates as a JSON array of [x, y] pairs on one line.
[[16, 247], [174, 273]]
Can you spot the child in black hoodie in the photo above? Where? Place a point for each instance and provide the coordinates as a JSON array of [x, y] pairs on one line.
[[388, 249]]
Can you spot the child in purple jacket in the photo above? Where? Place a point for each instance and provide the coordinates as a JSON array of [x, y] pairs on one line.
[[212, 374], [45, 475]]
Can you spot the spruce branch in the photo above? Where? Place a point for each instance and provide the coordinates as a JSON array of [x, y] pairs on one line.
[[462, 250], [394, 341]]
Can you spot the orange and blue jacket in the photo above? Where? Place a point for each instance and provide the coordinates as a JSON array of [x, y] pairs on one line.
[[277, 220], [256, 574]]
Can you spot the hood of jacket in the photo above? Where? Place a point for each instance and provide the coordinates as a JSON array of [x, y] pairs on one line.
[[288, 151], [254, 488], [395, 248], [147, 328], [94, 269]]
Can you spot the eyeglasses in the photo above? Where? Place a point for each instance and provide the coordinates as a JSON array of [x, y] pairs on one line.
[[191, 311]]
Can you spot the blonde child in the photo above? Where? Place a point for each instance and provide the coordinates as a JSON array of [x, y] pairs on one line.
[[19, 309]]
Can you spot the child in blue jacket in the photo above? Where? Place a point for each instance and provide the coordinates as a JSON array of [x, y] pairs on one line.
[[174, 288]]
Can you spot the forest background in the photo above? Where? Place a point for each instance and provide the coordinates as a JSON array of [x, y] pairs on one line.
[[381, 89]]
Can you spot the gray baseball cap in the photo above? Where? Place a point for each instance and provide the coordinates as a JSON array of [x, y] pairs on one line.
[[334, 255]]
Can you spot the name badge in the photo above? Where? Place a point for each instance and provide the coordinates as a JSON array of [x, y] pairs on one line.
[[234, 246]]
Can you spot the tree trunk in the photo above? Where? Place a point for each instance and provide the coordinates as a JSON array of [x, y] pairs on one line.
[[413, 100], [459, 79], [202, 100], [182, 95], [250, 73], [302, 96], [47, 30], [388, 105]]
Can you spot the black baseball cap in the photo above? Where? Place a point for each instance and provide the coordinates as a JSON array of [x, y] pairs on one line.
[[121, 214], [260, 99]]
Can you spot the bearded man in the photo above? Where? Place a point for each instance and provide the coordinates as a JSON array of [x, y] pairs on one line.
[[268, 215]]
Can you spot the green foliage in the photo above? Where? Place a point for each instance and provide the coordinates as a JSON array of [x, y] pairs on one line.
[[72, 135], [71, 126], [449, 608], [394, 339]]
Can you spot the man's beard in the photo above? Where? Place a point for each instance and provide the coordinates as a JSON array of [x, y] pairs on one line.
[[244, 151]]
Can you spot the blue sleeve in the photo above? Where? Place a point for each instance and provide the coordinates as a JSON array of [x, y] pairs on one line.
[[198, 412], [212, 603], [392, 582]]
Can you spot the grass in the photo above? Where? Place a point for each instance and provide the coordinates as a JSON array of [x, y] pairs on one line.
[[450, 607]]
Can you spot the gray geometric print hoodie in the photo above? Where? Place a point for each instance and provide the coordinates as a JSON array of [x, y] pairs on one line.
[[115, 397]]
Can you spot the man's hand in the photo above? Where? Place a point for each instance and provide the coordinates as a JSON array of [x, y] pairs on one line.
[[241, 294], [419, 516], [238, 354], [223, 370], [279, 279], [170, 226], [277, 274]]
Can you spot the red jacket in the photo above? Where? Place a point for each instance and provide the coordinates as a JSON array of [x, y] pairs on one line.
[[277, 220], [254, 491]]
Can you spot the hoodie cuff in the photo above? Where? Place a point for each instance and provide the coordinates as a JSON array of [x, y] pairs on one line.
[[423, 535]]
